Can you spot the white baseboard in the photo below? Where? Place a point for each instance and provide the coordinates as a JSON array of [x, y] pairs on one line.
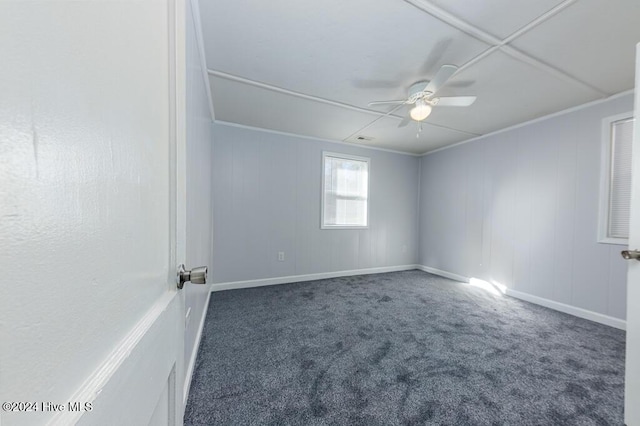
[[309, 277], [442, 273], [568, 309], [194, 353], [558, 306]]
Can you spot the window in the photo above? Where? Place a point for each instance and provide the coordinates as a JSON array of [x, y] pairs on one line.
[[345, 191], [615, 186]]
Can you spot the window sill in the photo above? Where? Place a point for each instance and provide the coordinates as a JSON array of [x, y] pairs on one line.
[[615, 241], [343, 227]]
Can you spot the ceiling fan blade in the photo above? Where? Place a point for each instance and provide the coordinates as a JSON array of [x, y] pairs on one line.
[[456, 101], [387, 102], [444, 74], [404, 121]]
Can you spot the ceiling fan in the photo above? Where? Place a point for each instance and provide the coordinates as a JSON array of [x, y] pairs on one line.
[[422, 94]]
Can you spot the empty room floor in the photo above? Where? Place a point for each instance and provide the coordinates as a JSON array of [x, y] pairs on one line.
[[401, 348]]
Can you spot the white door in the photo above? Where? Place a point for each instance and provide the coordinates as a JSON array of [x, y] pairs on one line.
[[92, 190], [632, 368]]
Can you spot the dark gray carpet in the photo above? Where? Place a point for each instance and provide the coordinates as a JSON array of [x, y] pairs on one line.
[[403, 348]]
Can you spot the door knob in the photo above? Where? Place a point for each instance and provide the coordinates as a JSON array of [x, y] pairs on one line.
[[195, 276], [630, 254]]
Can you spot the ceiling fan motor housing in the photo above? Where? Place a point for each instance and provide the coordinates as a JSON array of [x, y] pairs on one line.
[[416, 91]]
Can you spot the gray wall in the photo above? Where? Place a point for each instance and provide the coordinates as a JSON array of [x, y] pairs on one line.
[[266, 190], [521, 208]]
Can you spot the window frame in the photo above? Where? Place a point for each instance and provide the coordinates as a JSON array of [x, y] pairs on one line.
[[606, 158], [326, 154]]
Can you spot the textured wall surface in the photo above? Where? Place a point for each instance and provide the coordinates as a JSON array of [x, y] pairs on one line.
[[521, 208], [267, 193]]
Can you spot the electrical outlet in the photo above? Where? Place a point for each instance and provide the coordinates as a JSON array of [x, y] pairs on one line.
[[281, 256]]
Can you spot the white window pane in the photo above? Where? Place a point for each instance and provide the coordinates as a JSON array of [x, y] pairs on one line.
[[620, 179], [346, 187], [350, 212]]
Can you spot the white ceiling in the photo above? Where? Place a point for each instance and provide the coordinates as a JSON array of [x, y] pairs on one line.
[[311, 68]]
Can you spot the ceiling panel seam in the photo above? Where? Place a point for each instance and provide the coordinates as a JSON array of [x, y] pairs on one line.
[[372, 123], [485, 37], [535, 120], [539, 20], [455, 22], [543, 66], [477, 58], [314, 138], [197, 22], [366, 126], [277, 89], [424, 123]]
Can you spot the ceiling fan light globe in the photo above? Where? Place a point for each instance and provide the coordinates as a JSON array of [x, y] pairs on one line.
[[420, 111]]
